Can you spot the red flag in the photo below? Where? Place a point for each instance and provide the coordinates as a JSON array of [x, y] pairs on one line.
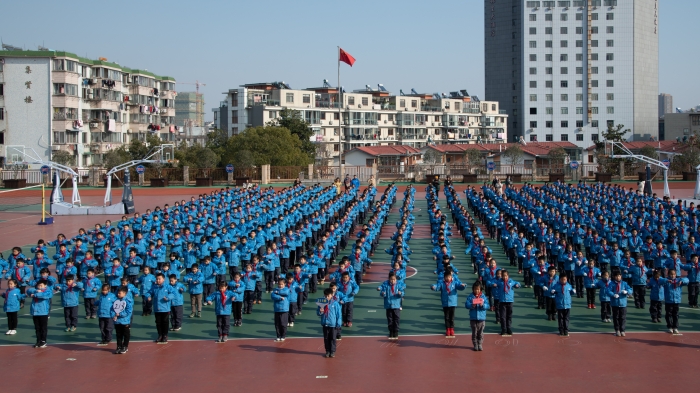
[[346, 58]]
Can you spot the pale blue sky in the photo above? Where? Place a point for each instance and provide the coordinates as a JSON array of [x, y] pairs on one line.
[[432, 46]]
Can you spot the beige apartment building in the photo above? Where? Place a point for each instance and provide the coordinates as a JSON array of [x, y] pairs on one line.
[[366, 117], [53, 100]]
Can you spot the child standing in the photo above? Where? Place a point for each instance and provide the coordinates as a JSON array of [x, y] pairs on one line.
[[39, 310], [590, 281], [656, 284], [177, 303], [562, 296], [505, 289], [104, 313], [195, 280], [348, 288], [331, 320], [672, 293], [604, 285], [693, 269], [237, 286], [12, 297], [280, 299], [91, 287], [122, 310], [392, 291], [145, 282], [477, 304], [448, 295], [639, 281], [222, 300], [293, 298], [249, 280], [70, 298], [618, 291], [162, 296], [547, 283]]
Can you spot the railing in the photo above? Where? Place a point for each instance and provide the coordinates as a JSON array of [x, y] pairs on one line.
[[265, 103], [253, 173], [217, 174], [287, 172], [502, 112], [170, 174]]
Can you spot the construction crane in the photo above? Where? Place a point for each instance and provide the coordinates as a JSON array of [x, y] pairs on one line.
[[196, 83]]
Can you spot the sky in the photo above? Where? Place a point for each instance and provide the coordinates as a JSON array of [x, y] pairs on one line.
[[403, 44]]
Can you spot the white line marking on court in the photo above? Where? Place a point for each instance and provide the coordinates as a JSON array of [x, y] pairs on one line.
[[321, 376], [371, 310]]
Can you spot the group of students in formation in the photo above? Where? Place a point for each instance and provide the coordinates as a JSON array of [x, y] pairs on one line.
[[221, 249], [588, 240]]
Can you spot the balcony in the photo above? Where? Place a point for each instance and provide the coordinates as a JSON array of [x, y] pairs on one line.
[[326, 104], [502, 112], [425, 108], [264, 103]]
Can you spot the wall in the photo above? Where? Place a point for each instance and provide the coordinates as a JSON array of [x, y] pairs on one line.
[[646, 69]]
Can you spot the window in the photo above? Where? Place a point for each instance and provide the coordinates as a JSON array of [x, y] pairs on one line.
[[533, 30], [579, 16], [548, 57], [59, 137], [65, 88], [609, 16], [611, 123], [579, 110], [65, 65], [515, 86], [548, 137], [610, 96], [564, 84], [548, 84], [564, 17], [563, 57], [610, 70], [402, 103], [594, 83], [594, 96], [610, 43], [533, 44], [548, 30], [566, 3], [579, 123], [564, 97], [594, 110], [548, 124], [549, 110], [533, 17], [594, 138], [548, 44], [533, 84], [610, 56], [594, 124], [611, 110], [351, 100], [533, 124], [564, 70], [533, 71], [2, 113], [414, 104], [290, 98], [564, 124], [533, 57], [533, 111], [594, 70], [579, 70], [610, 83], [365, 101], [594, 16], [579, 43], [563, 30], [564, 110], [579, 57], [2, 88], [564, 44], [564, 137], [610, 29], [579, 137], [548, 17], [533, 138], [306, 98], [594, 43], [579, 83], [594, 56], [533, 97], [594, 30], [515, 99], [548, 4], [548, 70], [548, 97], [579, 97]]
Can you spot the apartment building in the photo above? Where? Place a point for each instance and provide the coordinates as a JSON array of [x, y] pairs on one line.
[[565, 70], [371, 116], [53, 100], [189, 109]]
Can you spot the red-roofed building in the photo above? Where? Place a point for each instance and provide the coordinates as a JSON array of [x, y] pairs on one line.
[[382, 155], [532, 151]]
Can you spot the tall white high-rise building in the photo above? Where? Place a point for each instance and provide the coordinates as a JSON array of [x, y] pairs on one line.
[[565, 70]]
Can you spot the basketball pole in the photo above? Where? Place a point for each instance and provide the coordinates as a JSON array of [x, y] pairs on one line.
[[44, 220]]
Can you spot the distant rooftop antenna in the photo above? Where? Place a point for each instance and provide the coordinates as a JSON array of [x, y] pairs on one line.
[[10, 47], [43, 49]]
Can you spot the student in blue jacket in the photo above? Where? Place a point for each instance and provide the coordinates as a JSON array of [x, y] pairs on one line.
[[39, 310], [145, 282], [618, 292], [348, 288], [477, 304], [222, 300], [603, 285], [195, 284], [448, 288], [331, 320], [672, 294], [121, 312], [590, 279], [104, 314], [280, 304], [393, 292], [161, 295], [70, 298], [12, 297], [176, 307], [294, 290], [562, 297], [546, 283], [693, 269], [656, 285], [237, 286], [505, 289]]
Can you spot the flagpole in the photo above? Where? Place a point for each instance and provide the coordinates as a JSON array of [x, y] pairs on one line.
[[340, 124]]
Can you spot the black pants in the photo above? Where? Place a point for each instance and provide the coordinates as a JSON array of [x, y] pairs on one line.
[[539, 293], [590, 295], [563, 318], [527, 277], [347, 309], [605, 310], [223, 323], [70, 314], [257, 294], [232, 270], [313, 281], [579, 285], [12, 320], [477, 331], [248, 301], [208, 289], [293, 308], [329, 339], [655, 309], [90, 309], [123, 335], [281, 321], [41, 327], [639, 295], [237, 311], [393, 319], [162, 323], [176, 317], [693, 289], [506, 309], [358, 276], [619, 318], [449, 317], [106, 327], [551, 306], [672, 315], [269, 280]]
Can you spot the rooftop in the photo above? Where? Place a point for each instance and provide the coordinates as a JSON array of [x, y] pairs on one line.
[[532, 148], [394, 150]]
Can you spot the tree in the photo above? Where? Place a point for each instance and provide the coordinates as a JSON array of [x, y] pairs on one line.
[[557, 156], [649, 151], [473, 158], [431, 157], [689, 157], [197, 156], [116, 157], [291, 119], [605, 163], [63, 157], [267, 145], [513, 155], [217, 140]]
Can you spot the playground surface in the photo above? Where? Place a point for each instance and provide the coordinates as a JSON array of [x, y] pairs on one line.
[[535, 357]]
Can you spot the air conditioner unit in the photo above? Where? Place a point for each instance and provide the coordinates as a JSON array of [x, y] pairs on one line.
[[359, 105], [55, 147], [330, 122], [94, 125], [432, 124]]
